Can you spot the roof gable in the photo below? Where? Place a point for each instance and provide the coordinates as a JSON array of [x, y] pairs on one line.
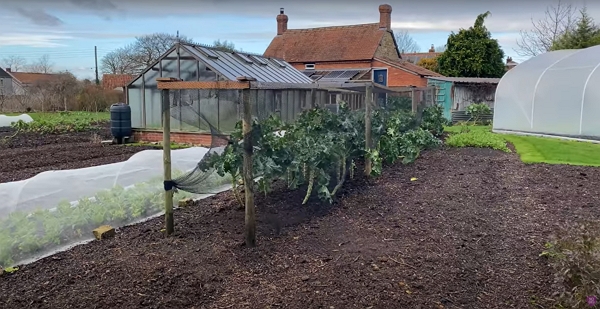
[[339, 43], [4, 73]]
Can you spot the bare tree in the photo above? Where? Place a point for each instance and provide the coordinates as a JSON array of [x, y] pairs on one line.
[[119, 61], [406, 43], [42, 65], [14, 62], [440, 48], [140, 54], [147, 49], [556, 22]]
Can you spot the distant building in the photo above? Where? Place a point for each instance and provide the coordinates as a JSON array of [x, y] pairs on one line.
[[415, 57], [510, 64], [344, 53]]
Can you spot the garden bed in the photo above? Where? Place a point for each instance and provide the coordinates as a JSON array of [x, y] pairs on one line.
[[467, 233], [27, 154]]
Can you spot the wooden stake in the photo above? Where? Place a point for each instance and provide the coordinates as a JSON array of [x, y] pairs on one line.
[[166, 106], [368, 140], [247, 170]]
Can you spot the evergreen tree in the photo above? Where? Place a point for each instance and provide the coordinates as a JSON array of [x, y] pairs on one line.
[[472, 53], [585, 34]]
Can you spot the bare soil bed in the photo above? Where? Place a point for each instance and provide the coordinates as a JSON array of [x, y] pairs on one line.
[[26, 154], [466, 234]]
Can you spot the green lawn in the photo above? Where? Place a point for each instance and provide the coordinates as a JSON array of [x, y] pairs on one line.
[[534, 149], [68, 116], [531, 149]]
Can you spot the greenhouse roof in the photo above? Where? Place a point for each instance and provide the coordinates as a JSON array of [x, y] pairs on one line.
[[232, 65], [235, 64]]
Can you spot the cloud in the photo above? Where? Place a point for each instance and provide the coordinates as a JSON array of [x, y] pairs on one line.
[[40, 17], [33, 40]]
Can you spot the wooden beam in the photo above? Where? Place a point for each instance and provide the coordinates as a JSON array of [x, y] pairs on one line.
[[176, 85]]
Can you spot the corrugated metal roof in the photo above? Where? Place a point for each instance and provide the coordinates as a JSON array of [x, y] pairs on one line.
[[467, 80], [233, 65]]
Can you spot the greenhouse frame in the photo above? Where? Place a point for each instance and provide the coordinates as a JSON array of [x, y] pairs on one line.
[[552, 94]]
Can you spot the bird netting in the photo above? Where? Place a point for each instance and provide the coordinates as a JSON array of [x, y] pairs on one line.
[[212, 111]]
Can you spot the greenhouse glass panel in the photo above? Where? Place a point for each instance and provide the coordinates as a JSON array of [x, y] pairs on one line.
[[551, 94]]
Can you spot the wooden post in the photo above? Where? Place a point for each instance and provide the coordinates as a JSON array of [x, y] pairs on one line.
[[415, 101], [368, 141], [247, 170], [166, 113]]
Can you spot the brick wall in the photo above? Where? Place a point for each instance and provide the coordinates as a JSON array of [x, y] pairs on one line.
[[197, 139], [401, 78], [387, 48]]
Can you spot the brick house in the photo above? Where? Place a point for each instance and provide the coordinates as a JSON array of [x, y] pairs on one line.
[[365, 50], [415, 57], [117, 82]]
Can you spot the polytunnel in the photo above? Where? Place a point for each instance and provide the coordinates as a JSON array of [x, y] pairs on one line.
[[556, 93]]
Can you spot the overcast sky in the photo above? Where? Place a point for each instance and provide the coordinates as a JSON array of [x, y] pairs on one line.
[[68, 30]]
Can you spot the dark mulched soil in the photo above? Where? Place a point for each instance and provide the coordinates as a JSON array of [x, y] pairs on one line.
[[27, 154], [466, 234]]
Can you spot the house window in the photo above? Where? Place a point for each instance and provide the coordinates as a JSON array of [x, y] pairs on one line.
[[309, 66]]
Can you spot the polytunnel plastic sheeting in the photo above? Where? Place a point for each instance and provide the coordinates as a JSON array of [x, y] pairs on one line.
[[6, 121], [552, 94], [47, 189]]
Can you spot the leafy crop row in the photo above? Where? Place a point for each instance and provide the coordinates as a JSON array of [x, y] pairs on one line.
[[24, 234], [476, 136], [321, 148], [61, 122]]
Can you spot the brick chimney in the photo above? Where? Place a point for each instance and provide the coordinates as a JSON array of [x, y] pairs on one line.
[[508, 60], [282, 21], [432, 49], [385, 17]]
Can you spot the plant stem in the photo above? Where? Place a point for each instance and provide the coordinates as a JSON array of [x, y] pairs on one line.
[[342, 180], [311, 181]]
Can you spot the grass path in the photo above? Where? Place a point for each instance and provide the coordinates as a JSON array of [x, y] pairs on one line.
[[531, 149]]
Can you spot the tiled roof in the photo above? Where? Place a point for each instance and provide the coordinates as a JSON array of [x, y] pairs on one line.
[[469, 80], [32, 78], [415, 57], [340, 43], [407, 66], [112, 81]]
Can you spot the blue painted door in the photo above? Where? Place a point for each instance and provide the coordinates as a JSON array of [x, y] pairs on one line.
[[380, 77]]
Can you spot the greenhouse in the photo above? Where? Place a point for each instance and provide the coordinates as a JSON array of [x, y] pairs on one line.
[[552, 94], [219, 106]]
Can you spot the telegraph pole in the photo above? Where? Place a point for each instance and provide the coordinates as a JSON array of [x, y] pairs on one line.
[[96, 60]]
